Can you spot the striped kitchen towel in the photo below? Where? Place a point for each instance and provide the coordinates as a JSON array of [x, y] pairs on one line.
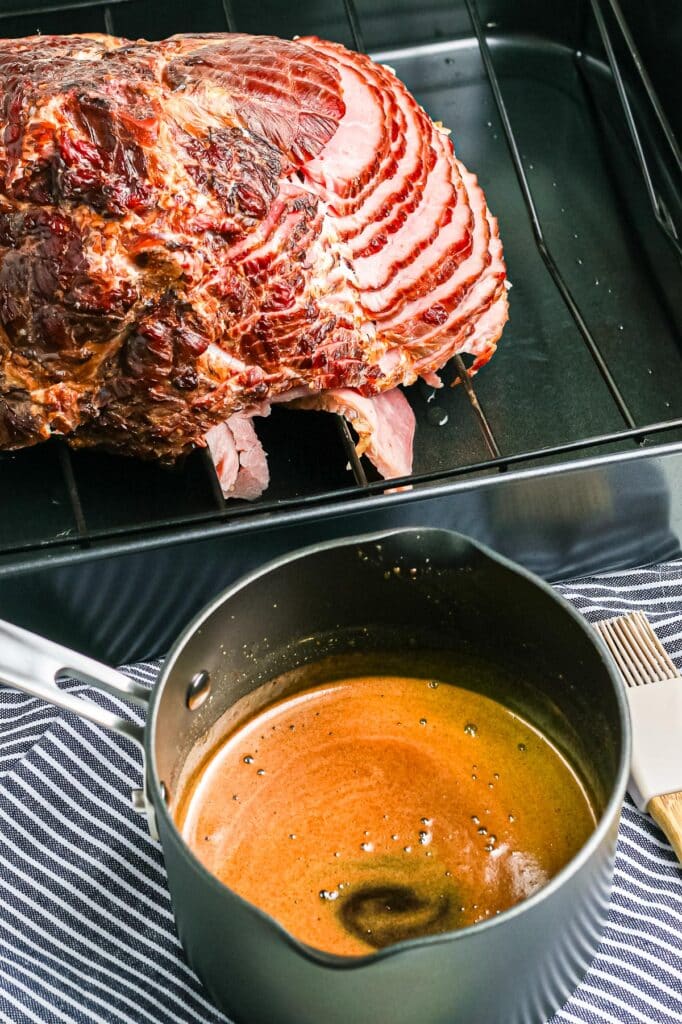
[[86, 927]]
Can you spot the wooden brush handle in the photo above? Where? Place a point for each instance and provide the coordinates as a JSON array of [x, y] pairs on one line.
[[666, 811]]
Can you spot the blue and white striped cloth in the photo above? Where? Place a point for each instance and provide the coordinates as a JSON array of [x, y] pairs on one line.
[[86, 927]]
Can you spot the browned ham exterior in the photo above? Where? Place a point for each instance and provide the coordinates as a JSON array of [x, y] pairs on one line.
[[193, 229]]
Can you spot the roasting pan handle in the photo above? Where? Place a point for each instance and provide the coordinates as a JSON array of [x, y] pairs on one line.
[[32, 664]]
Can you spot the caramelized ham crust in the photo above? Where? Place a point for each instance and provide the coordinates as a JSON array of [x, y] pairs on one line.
[[193, 229]]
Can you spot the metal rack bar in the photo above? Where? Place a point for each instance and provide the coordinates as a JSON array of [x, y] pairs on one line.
[[213, 480], [663, 218], [230, 19], [354, 461], [353, 20], [345, 434], [66, 466], [63, 453], [481, 417], [356, 466], [646, 81], [348, 443], [536, 226], [60, 449], [379, 486]]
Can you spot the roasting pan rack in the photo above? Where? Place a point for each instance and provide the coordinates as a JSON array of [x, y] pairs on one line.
[[579, 160]]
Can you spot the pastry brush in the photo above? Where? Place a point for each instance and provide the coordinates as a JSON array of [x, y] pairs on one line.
[[654, 690]]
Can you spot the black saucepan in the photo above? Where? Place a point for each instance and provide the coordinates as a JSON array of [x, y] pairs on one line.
[[409, 594]]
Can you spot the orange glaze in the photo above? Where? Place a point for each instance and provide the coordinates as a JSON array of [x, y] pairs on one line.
[[375, 809]]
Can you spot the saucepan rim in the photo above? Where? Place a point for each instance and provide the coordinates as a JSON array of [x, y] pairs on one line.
[[345, 962]]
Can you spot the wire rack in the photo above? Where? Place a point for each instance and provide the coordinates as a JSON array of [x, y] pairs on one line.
[[80, 521]]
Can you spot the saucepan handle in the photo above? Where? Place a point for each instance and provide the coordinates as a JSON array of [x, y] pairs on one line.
[[33, 664]]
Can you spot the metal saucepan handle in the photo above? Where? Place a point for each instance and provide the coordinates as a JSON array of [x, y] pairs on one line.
[[33, 665]]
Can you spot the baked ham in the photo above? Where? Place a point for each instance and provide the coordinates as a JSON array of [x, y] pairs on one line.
[[193, 229]]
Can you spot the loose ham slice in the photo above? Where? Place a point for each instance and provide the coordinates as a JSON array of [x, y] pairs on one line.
[[239, 458], [384, 424]]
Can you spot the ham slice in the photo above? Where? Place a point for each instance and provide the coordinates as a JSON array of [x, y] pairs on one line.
[[402, 123], [424, 249], [353, 155], [384, 425], [435, 209], [239, 458], [449, 255], [404, 303]]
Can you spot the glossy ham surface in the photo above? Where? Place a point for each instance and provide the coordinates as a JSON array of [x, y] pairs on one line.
[[193, 229]]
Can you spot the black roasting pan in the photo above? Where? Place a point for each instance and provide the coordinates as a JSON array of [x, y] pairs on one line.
[[564, 454]]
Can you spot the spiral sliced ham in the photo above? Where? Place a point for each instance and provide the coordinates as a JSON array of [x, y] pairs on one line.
[[193, 229]]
